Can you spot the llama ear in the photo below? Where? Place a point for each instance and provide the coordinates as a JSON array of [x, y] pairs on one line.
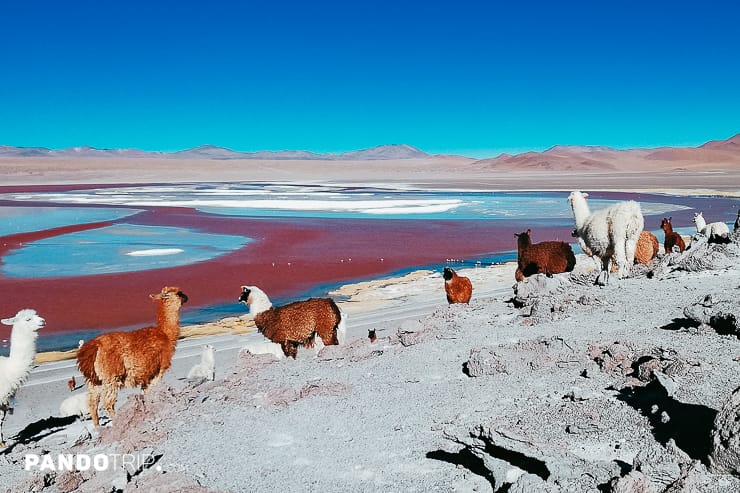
[[8, 321], [585, 195]]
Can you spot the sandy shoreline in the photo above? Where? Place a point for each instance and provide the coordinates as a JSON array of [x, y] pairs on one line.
[[357, 298]]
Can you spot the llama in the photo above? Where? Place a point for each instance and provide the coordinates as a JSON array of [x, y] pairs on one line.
[[75, 405], [671, 237], [207, 366], [736, 226], [647, 248], [295, 324], [611, 231], [72, 384], [15, 367], [458, 289], [547, 257], [131, 359], [717, 232]]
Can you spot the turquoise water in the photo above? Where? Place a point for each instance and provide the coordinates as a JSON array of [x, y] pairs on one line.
[[116, 248], [270, 200], [14, 220]]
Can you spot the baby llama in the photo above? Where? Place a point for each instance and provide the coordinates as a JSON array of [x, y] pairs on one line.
[[458, 289], [207, 367], [131, 359], [15, 367], [75, 405], [295, 324], [717, 232], [611, 231], [547, 257], [672, 239]]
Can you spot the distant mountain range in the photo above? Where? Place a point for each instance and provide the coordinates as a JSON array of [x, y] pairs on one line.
[[214, 152], [599, 158], [556, 158]]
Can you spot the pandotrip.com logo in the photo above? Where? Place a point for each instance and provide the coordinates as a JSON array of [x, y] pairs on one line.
[[87, 462]]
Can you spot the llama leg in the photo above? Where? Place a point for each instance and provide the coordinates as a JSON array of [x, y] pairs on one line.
[[619, 239], [2, 418], [110, 396], [603, 278], [93, 400], [145, 388]]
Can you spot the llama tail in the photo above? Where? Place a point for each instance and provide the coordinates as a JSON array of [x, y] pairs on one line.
[[86, 357]]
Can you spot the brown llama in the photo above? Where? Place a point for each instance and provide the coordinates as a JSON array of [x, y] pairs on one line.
[[647, 248], [295, 324], [131, 359], [71, 383], [458, 289], [671, 238], [547, 257]]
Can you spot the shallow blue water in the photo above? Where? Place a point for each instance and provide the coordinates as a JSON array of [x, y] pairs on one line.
[[116, 248], [15, 220]]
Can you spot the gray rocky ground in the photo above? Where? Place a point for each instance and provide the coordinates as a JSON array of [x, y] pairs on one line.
[[556, 385]]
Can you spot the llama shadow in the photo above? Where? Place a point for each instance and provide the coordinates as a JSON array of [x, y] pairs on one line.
[[690, 425], [680, 323], [466, 459], [38, 430]]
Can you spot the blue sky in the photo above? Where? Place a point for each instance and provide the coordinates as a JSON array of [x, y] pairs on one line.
[[469, 77]]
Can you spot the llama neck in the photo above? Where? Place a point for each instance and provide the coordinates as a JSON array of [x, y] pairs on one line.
[[580, 211], [260, 303], [700, 223], [168, 320], [22, 348], [522, 244]]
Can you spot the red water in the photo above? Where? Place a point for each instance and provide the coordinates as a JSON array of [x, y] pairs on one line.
[[287, 258]]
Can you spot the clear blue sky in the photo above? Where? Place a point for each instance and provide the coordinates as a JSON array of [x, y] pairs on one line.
[[470, 77]]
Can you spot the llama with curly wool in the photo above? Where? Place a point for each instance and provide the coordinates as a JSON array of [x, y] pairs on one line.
[[606, 232], [15, 367], [546, 257], [458, 289], [716, 232], [206, 369], [296, 324], [131, 359]]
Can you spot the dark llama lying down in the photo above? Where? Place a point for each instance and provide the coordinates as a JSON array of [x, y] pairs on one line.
[[547, 257]]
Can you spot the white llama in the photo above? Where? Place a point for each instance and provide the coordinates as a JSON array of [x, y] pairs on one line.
[[207, 366], [14, 369], [611, 231]]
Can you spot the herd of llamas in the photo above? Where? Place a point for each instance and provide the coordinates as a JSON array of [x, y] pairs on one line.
[[613, 237]]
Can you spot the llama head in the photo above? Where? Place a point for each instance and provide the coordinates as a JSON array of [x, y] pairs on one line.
[[448, 274], [576, 195], [171, 296], [244, 297], [698, 216], [665, 223], [523, 239], [255, 299], [26, 319]]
